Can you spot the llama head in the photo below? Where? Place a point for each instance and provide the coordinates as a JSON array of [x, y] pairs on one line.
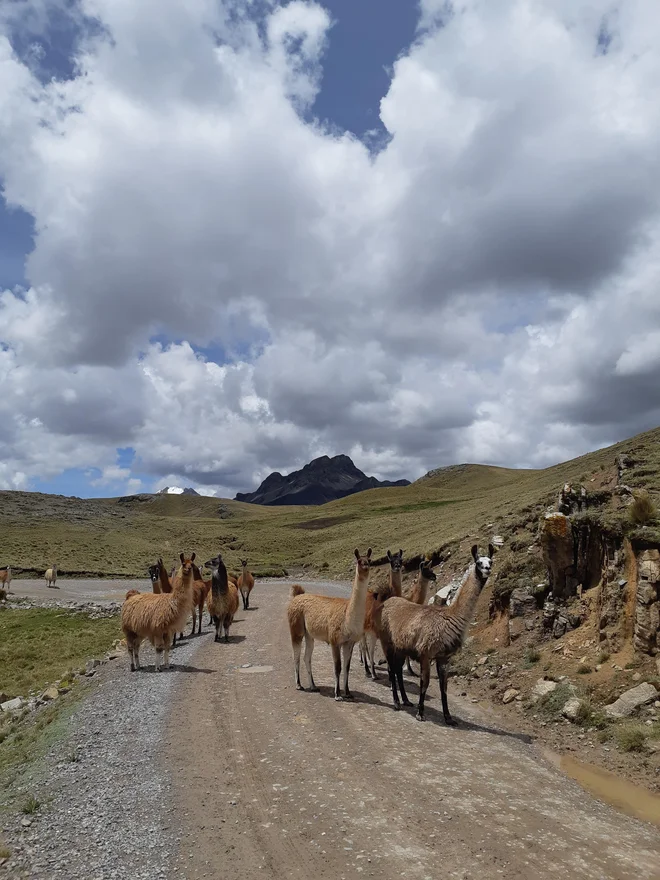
[[483, 564], [214, 564], [426, 571], [186, 564], [396, 560], [363, 562], [154, 572], [244, 563]]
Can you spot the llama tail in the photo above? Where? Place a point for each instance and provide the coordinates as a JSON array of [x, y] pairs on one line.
[[297, 590], [132, 593]]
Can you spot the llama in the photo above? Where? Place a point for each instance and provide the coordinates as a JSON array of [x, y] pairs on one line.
[[157, 616], [339, 622], [367, 646], [245, 584], [418, 593], [200, 592], [222, 602], [429, 632], [51, 577], [5, 579]]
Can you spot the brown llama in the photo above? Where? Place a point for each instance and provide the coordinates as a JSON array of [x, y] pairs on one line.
[[5, 579], [161, 583], [245, 584], [339, 622], [222, 601], [157, 616], [200, 592], [418, 593], [367, 646], [429, 632]]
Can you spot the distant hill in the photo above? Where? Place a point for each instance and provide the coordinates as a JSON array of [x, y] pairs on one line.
[[177, 490], [323, 479]]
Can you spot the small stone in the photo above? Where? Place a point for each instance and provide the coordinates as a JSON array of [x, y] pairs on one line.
[[497, 541], [92, 664], [26, 823], [51, 693], [482, 661], [623, 582], [542, 688], [571, 708], [510, 695], [636, 676]]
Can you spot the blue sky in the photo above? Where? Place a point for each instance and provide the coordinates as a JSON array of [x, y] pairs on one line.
[[365, 40]]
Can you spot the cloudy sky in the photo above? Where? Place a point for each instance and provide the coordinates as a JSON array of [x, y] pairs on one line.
[[237, 235]]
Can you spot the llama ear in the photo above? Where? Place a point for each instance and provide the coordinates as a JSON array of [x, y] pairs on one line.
[[192, 558], [400, 554], [389, 555], [357, 553], [475, 552], [369, 553], [491, 550], [181, 558]]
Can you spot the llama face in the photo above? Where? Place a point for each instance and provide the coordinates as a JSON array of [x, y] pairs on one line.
[[244, 563], [186, 564], [483, 564], [363, 562], [154, 573], [214, 564], [396, 560], [426, 571]]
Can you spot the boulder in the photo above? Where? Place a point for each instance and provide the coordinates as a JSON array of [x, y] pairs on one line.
[[571, 708], [516, 628], [497, 541], [12, 705], [559, 627], [92, 664], [631, 700], [510, 695], [51, 693], [542, 688], [521, 603]]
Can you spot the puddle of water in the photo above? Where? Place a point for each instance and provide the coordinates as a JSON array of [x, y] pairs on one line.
[[634, 800]]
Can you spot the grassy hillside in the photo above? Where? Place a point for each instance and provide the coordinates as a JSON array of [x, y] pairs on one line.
[[444, 508]]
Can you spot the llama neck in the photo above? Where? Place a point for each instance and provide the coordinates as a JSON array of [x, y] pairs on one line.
[[420, 590], [165, 584], [357, 604], [219, 582], [182, 585], [462, 610], [395, 582]]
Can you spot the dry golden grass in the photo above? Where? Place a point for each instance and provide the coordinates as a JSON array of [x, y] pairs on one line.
[[122, 537]]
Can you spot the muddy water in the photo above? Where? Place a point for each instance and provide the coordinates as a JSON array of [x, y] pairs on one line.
[[634, 800]]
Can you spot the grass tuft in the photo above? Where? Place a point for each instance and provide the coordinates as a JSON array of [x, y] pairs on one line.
[[30, 806], [631, 737], [642, 511]]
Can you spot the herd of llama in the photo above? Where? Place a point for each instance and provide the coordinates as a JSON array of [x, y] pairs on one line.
[[408, 626]]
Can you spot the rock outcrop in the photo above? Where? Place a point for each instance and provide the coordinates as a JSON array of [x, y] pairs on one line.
[[631, 700], [647, 610]]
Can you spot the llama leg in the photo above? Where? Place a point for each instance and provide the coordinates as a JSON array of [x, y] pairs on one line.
[[370, 640], [227, 624], [297, 650], [159, 658], [309, 650], [402, 690], [194, 614], [136, 653], [442, 678], [130, 644], [424, 677], [346, 655], [392, 663], [409, 668], [166, 650], [363, 655], [336, 659]]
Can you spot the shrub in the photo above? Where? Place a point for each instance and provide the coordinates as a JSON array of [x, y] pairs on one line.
[[642, 510], [630, 737], [583, 669], [30, 806], [532, 656], [552, 704], [603, 657]]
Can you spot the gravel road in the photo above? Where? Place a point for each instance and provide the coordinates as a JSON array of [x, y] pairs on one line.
[[222, 769]]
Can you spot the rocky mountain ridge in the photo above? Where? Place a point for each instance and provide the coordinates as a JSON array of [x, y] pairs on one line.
[[323, 479]]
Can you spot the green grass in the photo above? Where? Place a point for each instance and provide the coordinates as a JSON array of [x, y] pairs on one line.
[[30, 806], [446, 509], [532, 656], [631, 737], [39, 645]]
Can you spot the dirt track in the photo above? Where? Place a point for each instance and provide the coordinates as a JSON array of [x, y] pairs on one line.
[[275, 783]]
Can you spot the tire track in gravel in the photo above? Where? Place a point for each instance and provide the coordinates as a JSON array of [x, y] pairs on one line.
[[275, 783]]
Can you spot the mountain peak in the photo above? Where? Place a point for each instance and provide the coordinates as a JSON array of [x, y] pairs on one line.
[[321, 480]]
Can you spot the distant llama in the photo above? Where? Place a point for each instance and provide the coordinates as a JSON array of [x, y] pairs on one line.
[[245, 584], [51, 577]]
